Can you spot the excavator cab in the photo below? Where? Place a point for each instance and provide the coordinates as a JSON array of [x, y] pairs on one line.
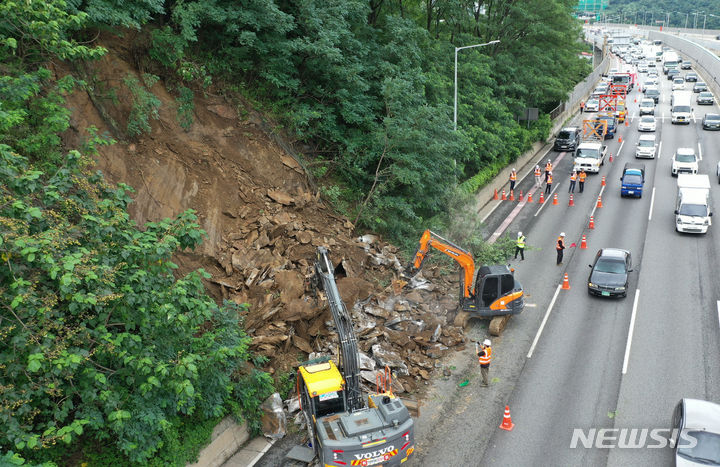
[[497, 292]]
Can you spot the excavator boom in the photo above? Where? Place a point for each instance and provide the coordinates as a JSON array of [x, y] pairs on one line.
[[463, 257]]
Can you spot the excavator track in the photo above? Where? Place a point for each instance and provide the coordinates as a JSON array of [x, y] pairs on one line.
[[497, 324]]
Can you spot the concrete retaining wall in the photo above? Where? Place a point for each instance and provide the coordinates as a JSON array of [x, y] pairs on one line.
[[227, 437]]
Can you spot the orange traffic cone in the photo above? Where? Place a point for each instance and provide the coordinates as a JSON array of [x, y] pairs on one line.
[[512, 195], [521, 196], [591, 225], [583, 243], [507, 423], [599, 202], [529, 198], [627, 122], [571, 203], [555, 201], [619, 139], [566, 283], [603, 179], [496, 195], [542, 197], [611, 157], [503, 196]]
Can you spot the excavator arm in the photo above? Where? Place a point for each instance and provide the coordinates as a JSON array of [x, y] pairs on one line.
[[463, 257]]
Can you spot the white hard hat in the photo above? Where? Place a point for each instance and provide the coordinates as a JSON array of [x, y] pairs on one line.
[[519, 234], [548, 160], [487, 342], [562, 234], [513, 169]]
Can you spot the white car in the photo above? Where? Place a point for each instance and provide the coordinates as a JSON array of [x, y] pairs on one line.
[[646, 123], [696, 433], [647, 107], [650, 81], [678, 83], [592, 105], [646, 147], [684, 161]]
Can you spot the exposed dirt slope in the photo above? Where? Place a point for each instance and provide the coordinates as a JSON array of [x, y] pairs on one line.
[[264, 223]]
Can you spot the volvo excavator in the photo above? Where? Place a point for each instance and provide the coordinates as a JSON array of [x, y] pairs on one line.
[[493, 292], [344, 428]]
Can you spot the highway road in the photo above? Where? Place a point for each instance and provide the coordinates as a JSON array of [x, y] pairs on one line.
[[597, 363]]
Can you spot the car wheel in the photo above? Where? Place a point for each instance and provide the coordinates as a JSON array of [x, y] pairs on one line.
[[624, 295]]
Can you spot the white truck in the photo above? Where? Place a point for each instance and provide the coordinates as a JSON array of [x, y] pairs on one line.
[[589, 156], [681, 107], [671, 61], [692, 209]]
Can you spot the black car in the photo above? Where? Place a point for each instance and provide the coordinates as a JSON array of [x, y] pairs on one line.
[[568, 139], [653, 93], [673, 73], [705, 98], [609, 274], [700, 87], [691, 77], [686, 65], [711, 122]]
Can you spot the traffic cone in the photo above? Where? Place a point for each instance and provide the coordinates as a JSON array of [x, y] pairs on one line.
[[529, 198], [566, 283], [583, 243], [507, 423], [542, 197], [603, 179], [521, 196], [555, 201], [627, 122], [496, 195], [591, 225], [512, 195], [611, 157], [599, 202], [571, 203], [504, 198], [619, 139]]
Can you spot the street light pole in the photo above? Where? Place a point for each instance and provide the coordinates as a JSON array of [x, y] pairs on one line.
[[456, 79]]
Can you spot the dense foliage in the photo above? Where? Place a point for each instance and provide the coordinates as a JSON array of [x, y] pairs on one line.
[[681, 14], [99, 342]]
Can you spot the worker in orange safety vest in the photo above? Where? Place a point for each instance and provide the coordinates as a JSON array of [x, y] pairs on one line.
[[573, 178], [548, 169], [513, 178], [484, 354], [537, 175], [581, 179], [548, 182]]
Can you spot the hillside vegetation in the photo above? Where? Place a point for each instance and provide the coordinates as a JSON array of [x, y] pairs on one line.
[[682, 14], [109, 355]]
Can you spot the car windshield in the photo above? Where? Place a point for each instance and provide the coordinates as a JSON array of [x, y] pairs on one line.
[[693, 210], [652, 92], [564, 135], [647, 119], [589, 153], [682, 157], [632, 179], [702, 447], [593, 102], [705, 94], [681, 108], [646, 143], [700, 83], [712, 118], [612, 266]]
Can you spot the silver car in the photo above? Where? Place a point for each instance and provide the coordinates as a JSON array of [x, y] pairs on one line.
[[592, 105], [696, 433], [647, 123]]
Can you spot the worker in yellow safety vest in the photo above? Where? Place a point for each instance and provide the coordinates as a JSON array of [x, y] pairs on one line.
[[520, 246], [484, 354]]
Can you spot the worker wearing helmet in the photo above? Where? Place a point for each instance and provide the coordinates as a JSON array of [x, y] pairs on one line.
[[537, 175], [484, 354], [559, 247], [548, 169], [520, 246]]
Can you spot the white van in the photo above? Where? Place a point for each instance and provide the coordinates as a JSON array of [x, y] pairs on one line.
[[681, 107], [671, 61], [692, 209], [646, 147]]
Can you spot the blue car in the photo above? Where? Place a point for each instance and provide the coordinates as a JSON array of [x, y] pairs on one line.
[[632, 180], [611, 125]]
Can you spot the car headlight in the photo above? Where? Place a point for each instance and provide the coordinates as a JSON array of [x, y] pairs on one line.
[[707, 222], [590, 284], [619, 288]]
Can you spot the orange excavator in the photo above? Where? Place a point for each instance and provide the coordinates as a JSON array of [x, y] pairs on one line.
[[491, 293]]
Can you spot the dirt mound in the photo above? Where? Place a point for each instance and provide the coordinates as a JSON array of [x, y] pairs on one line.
[[264, 222]]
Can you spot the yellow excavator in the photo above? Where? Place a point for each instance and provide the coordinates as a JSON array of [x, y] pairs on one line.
[[344, 428], [493, 292]]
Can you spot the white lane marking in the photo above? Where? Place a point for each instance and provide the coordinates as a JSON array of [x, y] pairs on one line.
[[531, 305], [620, 148], [659, 149], [548, 200], [592, 213], [491, 211], [700, 150], [630, 333], [652, 203], [718, 307], [542, 325]]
